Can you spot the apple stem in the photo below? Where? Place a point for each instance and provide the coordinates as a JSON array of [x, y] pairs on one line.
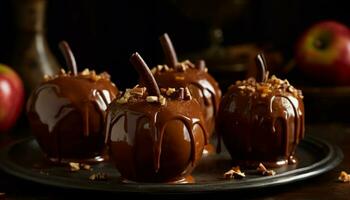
[[68, 56], [261, 62], [169, 51], [146, 74]]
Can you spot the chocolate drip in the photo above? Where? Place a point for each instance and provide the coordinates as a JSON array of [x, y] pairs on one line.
[[169, 51], [195, 79], [159, 121], [252, 123]]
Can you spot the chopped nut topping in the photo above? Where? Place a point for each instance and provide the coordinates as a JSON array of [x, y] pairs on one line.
[[162, 100], [159, 67], [290, 89], [182, 67], [85, 72], [265, 172], [344, 177], [234, 172], [74, 166], [46, 77], [166, 68], [122, 100], [78, 166], [170, 91], [264, 88], [86, 166], [62, 71], [151, 99], [99, 176], [153, 70], [139, 91]]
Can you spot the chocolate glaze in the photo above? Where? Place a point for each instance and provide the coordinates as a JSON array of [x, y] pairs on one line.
[[67, 113], [202, 85], [150, 142], [261, 122]]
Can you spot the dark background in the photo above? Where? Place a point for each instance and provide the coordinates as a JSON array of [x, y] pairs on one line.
[[103, 34]]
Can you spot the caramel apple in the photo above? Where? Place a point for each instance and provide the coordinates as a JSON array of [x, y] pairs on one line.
[[202, 85], [155, 135], [261, 120], [67, 112]]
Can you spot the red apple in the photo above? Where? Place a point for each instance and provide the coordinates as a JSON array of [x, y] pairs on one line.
[[11, 97], [323, 52]]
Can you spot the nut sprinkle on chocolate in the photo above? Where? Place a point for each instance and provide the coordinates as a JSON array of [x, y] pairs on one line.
[[235, 173]]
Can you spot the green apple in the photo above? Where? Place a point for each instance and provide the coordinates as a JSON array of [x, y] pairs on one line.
[[11, 97], [323, 52]]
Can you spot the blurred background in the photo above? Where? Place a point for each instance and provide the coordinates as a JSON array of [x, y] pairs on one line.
[[227, 33]]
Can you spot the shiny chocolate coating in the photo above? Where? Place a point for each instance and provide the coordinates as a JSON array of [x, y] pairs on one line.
[[261, 122], [150, 142], [202, 85], [67, 114]]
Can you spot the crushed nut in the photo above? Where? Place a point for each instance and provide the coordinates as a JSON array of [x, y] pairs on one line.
[[85, 72], [344, 177], [86, 166], [234, 172], [153, 70], [264, 88], [122, 100], [290, 89], [162, 100], [62, 71], [151, 99], [138, 91], [170, 91], [265, 172], [74, 166], [189, 63], [99, 176], [159, 67], [46, 77], [166, 68], [182, 67], [242, 87]]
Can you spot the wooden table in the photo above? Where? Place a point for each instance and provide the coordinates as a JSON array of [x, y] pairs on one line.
[[324, 186]]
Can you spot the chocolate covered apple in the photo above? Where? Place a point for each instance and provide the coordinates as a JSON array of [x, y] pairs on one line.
[[155, 135], [202, 85], [67, 112], [261, 120]]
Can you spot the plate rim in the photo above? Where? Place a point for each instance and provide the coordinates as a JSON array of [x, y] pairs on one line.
[[327, 163]]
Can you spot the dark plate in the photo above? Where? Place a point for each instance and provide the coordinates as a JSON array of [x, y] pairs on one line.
[[24, 159]]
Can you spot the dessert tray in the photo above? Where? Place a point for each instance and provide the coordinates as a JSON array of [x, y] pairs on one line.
[[24, 159]]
